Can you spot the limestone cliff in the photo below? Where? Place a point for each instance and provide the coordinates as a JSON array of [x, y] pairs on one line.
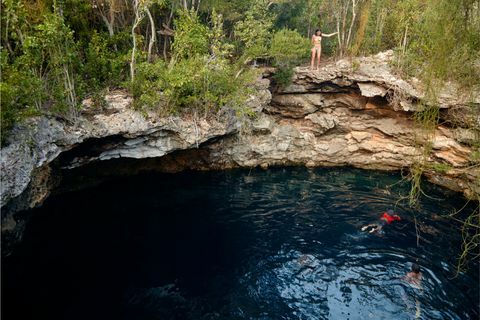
[[352, 112]]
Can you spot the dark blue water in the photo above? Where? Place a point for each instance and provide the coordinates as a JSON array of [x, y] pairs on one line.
[[276, 244]]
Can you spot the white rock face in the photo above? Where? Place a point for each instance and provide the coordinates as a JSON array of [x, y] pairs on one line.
[[41, 140]]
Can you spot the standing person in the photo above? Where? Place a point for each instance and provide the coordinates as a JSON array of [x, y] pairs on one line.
[[317, 46]]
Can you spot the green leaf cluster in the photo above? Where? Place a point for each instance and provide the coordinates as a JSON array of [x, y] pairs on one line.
[[104, 66], [191, 36], [198, 79], [288, 49], [255, 30]]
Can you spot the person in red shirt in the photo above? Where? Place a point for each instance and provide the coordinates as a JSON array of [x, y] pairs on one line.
[[386, 218]]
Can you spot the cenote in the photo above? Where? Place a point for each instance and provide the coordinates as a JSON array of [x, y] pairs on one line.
[[282, 243]]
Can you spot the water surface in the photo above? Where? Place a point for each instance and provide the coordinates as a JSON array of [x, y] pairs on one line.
[[275, 244]]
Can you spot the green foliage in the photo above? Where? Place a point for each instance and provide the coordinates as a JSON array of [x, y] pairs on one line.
[[51, 55], [194, 84], [103, 65], [199, 79], [435, 39], [283, 75], [191, 36], [231, 10], [20, 90], [255, 30], [43, 73], [446, 42], [300, 15], [14, 24], [219, 46], [441, 167], [288, 49], [148, 83]]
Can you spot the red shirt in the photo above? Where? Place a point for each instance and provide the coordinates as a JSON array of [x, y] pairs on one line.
[[388, 218]]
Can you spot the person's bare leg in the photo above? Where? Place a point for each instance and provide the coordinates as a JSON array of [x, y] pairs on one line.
[[313, 58], [371, 225], [319, 54]]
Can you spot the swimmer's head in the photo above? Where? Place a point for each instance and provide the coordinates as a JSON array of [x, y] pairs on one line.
[[415, 268], [390, 212]]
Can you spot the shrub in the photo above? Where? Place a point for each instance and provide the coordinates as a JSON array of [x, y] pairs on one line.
[[287, 50], [191, 85], [20, 92], [51, 55], [103, 65], [148, 84], [255, 31], [191, 36], [289, 47]]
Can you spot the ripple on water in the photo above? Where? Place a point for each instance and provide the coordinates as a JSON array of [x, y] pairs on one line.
[[275, 244]]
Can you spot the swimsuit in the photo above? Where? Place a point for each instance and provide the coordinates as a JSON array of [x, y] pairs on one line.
[[317, 43]]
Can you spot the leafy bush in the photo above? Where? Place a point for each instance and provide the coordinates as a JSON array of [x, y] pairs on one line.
[[255, 31], [199, 78], [52, 56], [148, 84], [288, 49], [20, 91], [104, 66], [191, 36], [194, 84]]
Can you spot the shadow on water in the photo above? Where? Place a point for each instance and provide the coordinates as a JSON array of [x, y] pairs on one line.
[[276, 244]]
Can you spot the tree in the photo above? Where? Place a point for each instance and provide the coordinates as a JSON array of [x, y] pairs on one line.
[[255, 30], [345, 15], [51, 54], [141, 8], [288, 49], [191, 36]]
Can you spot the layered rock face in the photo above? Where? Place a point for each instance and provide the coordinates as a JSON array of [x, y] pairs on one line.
[[363, 117], [355, 113]]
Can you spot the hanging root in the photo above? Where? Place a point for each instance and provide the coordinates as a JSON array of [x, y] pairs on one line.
[[471, 240]]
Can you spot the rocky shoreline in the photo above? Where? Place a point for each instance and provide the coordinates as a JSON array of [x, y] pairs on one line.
[[349, 113]]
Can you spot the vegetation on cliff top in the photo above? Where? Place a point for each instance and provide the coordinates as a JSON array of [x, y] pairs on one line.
[[187, 53]]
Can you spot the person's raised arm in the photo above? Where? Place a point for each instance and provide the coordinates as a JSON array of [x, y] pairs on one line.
[[329, 35]]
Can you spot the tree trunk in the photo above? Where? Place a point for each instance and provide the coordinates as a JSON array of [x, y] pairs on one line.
[[354, 16], [153, 36], [167, 37], [136, 22], [109, 25], [338, 36]]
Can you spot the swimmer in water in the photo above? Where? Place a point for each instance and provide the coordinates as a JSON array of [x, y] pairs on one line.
[[414, 277], [386, 218]]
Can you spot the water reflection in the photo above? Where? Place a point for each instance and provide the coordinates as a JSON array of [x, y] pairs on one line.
[[276, 244]]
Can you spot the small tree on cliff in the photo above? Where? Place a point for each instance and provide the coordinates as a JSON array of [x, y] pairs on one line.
[[255, 31]]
